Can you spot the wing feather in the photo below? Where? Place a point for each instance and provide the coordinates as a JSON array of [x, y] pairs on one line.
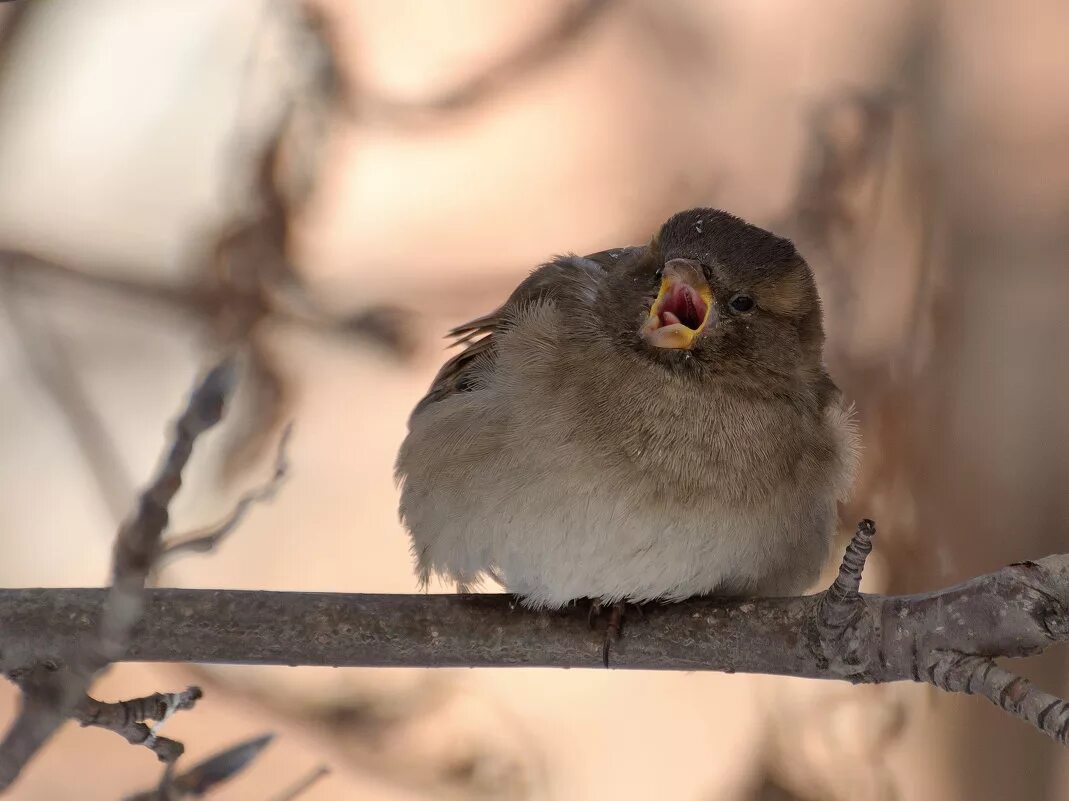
[[461, 373]]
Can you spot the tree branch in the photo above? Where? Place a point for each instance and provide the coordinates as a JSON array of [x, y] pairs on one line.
[[1000, 614], [946, 638]]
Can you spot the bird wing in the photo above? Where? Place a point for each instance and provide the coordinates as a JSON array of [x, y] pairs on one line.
[[461, 372]]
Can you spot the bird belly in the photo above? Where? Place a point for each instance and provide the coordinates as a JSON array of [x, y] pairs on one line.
[[557, 520], [557, 540], [588, 552]]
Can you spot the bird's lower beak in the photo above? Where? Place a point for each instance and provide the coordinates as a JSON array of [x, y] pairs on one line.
[[682, 308]]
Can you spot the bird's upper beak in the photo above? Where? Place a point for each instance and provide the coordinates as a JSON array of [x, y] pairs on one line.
[[682, 309]]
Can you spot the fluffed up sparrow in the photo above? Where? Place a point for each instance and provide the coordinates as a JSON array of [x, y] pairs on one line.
[[642, 423]]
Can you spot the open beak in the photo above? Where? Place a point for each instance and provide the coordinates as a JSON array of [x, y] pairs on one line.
[[682, 309]]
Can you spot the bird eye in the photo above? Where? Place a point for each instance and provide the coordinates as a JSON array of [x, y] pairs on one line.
[[741, 303]]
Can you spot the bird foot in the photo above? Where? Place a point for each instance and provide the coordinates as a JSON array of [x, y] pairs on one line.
[[615, 626]]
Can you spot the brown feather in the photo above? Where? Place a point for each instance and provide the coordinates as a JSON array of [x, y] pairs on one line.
[[477, 335]]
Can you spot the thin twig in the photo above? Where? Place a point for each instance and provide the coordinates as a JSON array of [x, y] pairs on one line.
[[840, 604], [848, 582], [205, 775], [127, 719], [208, 539], [292, 792], [954, 671]]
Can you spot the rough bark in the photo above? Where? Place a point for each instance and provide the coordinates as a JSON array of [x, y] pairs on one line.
[[947, 638]]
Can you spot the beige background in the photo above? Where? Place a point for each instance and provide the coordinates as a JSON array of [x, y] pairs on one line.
[[916, 151]]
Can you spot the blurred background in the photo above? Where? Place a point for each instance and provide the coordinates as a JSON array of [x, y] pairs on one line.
[[328, 186]]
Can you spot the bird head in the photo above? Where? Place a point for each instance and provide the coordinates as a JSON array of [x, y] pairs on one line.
[[713, 294]]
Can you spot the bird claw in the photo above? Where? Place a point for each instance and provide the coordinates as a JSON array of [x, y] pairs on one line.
[[614, 628]]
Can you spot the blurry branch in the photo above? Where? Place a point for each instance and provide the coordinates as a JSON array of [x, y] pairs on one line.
[[206, 775], [841, 188], [770, 790], [292, 792], [46, 355], [947, 638], [849, 143], [52, 692], [55, 689], [209, 300], [245, 286], [209, 538], [242, 281], [376, 730], [12, 18], [576, 19], [863, 213]]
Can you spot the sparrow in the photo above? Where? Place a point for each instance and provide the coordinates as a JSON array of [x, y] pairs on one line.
[[643, 423]]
